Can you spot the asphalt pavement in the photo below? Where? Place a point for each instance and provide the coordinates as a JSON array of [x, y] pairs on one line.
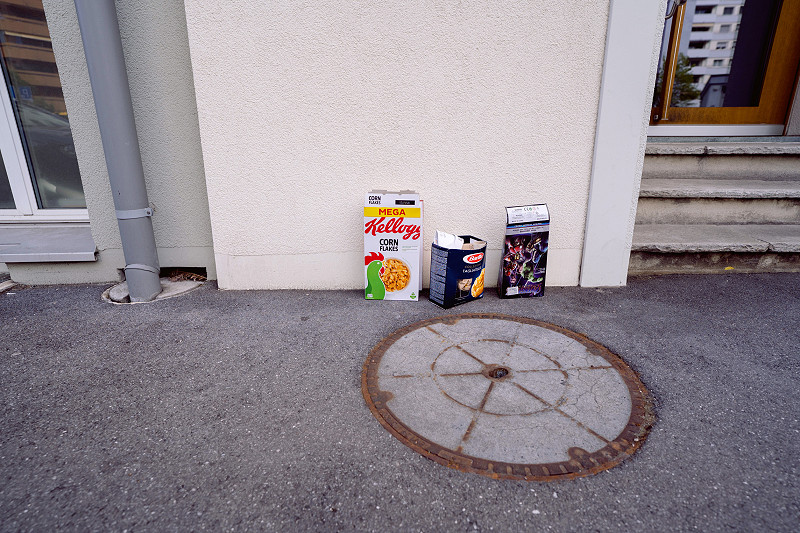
[[243, 411]]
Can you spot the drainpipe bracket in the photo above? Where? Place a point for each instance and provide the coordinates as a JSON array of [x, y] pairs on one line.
[[137, 266], [127, 214]]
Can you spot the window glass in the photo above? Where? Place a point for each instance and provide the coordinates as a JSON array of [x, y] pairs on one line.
[[6, 198], [731, 72], [30, 73]]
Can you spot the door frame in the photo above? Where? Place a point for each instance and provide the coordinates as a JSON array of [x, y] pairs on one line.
[[777, 93]]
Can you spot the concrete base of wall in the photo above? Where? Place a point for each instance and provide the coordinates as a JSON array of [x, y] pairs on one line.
[[649, 263], [344, 270], [103, 270], [108, 267]]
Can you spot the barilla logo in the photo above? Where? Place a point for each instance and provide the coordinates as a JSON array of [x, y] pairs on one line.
[[474, 258], [394, 225]]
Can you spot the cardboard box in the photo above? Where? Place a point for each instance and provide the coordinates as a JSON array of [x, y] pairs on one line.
[[392, 245], [524, 262], [457, 275]]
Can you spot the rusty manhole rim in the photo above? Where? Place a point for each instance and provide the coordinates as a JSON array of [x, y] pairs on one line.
[[581, 462]]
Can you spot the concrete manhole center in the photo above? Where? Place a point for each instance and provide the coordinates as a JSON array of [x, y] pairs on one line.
[[506, 397]]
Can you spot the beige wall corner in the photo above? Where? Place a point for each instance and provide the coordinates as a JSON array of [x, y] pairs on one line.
[[305, 107], [156, 51]]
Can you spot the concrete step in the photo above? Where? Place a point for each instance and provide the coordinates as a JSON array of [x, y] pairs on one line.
[[723, 148], [707, 206], [710, 188], [682, 238], [714, 248], [722, 161], [717, 211], [707, 201]]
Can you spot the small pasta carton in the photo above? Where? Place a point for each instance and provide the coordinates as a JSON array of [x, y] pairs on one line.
[[458, 269], [392, 245]]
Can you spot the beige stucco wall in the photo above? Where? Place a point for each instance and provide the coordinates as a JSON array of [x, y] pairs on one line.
[[156, 51], [305, 106]]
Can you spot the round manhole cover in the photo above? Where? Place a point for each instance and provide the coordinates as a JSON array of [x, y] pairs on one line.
[[506, 397]]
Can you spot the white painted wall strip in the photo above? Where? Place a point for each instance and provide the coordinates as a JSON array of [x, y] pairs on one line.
[[632, 45]]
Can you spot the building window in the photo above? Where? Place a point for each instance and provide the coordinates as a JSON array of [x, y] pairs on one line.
[[727, 10], [39, 171], [722, 45], [724, 28], [698, 45], [703, 10], [698, 28], [718, 63]]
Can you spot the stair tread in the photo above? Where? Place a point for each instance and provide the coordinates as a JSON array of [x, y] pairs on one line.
[[680, 238], [724, 188], [723, 148]]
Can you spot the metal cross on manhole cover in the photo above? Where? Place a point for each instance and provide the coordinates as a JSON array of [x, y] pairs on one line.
[[506, 397]]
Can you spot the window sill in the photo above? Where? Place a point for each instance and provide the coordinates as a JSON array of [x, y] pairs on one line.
[[38, 243]]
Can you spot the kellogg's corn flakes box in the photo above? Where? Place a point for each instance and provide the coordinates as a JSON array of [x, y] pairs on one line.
[[392, 245]]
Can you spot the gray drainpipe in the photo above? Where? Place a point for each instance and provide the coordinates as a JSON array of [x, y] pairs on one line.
[[112, 98]]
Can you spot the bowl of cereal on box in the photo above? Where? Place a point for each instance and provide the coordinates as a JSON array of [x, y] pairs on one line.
[[396, 275]]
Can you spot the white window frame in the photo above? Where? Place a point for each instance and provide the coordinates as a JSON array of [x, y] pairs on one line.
[[19, 176]]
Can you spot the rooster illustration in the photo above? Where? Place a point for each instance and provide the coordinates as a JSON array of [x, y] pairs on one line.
[[375, 288]]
